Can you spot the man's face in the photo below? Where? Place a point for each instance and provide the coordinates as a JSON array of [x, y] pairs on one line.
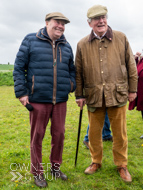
[[99, 25], [55, 28]]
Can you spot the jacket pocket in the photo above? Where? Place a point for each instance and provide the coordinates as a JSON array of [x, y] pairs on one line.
[[121, 93], [91, 95], [60, 51], [32, 89], [71, 83]]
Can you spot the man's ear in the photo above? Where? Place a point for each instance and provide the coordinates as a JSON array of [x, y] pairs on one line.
[[46, 22], [89, 23]]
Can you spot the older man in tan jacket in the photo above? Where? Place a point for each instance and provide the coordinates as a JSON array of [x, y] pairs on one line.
[[106, 78]]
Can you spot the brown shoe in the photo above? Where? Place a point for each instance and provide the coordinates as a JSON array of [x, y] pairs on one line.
[[92, 168], [124, 174], [40, 181], [86, 144], [58, 174]]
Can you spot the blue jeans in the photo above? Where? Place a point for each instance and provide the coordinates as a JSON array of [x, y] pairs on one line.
[[106, 132]]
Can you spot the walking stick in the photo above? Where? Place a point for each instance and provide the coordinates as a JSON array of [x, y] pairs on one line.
[[79, 127]]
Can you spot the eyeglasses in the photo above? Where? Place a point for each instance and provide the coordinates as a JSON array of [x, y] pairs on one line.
[[100, 17]]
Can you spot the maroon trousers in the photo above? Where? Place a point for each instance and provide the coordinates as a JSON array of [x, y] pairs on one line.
[[39, 119]]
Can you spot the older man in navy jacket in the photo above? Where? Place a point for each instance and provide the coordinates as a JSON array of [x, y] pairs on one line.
[[44, 75]]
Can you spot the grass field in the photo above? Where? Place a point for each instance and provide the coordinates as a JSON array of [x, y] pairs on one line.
[[15, 151], [6, 75], [5, 68]]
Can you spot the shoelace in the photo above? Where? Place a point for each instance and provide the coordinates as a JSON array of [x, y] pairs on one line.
[[124, 168], [93, 164]]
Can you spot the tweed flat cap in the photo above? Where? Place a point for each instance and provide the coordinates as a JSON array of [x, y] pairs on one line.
[[57, 15], [96, 10]]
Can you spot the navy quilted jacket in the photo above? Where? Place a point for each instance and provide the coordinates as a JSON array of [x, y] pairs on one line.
[[44, 71]]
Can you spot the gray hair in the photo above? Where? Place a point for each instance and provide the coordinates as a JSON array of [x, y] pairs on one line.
[[89, 20]]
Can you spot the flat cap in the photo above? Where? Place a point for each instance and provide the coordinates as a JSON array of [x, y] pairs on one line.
[[96, 10], [57, 15]]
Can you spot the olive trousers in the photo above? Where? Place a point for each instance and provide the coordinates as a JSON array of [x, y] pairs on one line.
[[117, 118]]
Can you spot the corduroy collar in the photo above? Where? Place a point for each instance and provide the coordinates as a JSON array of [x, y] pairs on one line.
[[108, 35]]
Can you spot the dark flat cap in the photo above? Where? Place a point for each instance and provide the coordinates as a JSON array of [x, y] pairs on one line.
[[57, 15]]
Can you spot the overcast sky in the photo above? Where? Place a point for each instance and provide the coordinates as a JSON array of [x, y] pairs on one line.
[[20, 17]]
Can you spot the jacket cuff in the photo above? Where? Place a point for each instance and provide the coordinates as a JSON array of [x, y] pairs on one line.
[[79, 97]]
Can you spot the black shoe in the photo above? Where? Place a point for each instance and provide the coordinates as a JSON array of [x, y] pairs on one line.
[[141, 137], [109, 139], [40, 181], [58, 174], [86, 144]]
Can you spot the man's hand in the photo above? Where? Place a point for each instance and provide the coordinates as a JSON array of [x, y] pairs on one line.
[[81, 102], [24, 100], [138, 54], [132, 96]]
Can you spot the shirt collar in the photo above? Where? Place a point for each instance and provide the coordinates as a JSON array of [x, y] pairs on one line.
[[99, 36]]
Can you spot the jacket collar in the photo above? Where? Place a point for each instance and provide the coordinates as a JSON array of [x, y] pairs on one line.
[[43, 35], [108, 35]]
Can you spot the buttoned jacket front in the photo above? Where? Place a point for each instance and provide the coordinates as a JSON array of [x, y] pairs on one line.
[[105, 67]]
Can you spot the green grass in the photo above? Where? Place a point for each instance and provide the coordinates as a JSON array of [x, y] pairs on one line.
[[4, 67], [15, 148], [6, 78], [6, 75]]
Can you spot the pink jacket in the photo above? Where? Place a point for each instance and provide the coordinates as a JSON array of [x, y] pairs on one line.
[[138, 102]]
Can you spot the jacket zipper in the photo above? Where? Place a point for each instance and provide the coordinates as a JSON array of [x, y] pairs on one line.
[[54, 66], [54, 73], [55, 69], [60, 54]]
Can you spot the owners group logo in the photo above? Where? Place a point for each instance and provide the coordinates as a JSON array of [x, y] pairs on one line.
[[22, 171]]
